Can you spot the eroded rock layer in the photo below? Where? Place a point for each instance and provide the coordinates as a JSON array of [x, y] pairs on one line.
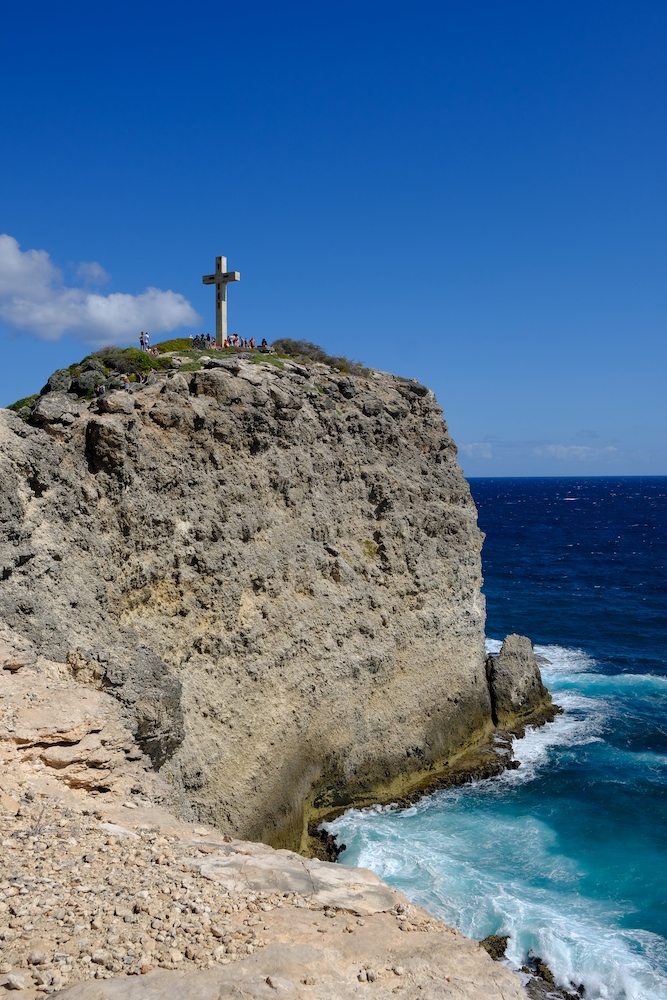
[[275, 569]]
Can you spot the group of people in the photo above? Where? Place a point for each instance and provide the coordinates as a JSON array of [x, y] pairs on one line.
[[144, 344], [207, 343], [236, 341], [204, 343]]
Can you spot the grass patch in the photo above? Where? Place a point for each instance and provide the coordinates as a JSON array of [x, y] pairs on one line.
[[196, 352], [190, 366], [177, 344], [370, 549], [269, 359]]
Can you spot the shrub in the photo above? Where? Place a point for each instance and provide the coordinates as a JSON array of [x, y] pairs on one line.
[[306, 351], [129, 360], [27, 401]]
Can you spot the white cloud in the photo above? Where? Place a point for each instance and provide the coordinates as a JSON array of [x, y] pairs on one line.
[[578, 451], [93, 273], [477, 449], [34, 298]]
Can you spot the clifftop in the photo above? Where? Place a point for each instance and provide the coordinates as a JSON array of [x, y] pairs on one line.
[[275, 567]]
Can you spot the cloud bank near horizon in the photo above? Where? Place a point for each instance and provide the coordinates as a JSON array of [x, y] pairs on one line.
[[501, 457], [34, 299], [488, 450]]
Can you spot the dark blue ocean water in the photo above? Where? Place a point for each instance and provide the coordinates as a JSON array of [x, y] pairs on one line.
[[568, 854]]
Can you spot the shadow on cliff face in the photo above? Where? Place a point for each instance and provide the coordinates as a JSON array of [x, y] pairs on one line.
[[147, 690]]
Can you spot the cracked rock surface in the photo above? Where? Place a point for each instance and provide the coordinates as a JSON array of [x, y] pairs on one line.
[[104, 893]]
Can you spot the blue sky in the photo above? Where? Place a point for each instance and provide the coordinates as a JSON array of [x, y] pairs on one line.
[[469, 193]]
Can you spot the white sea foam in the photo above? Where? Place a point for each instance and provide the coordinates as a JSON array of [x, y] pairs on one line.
[[445, 858], [473, 858], [582, 721]]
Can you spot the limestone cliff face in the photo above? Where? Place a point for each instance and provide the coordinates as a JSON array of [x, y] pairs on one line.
[[276, 569]]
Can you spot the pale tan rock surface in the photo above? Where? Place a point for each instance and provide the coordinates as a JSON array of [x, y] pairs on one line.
[[104, 893], [276, 570]]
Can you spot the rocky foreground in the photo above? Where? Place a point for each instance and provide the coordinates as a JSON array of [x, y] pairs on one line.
[[104, 893]]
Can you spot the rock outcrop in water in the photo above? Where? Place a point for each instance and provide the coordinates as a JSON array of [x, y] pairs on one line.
[[274, 568], [518, 696]]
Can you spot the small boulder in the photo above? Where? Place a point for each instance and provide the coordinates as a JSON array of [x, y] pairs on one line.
[[417, 388], [14, 658], [92, 365], [177, 383], [15, 982], [515, 685], [116, 402], [347, 388], [54, 408], [60, 381], [38, 956], [9, 804], [85, 382], [171, 410], [229, 364]]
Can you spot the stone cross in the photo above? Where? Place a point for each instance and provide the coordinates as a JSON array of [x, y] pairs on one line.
[[220, 279]]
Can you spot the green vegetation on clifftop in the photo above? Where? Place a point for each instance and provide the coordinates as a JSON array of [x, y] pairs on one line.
[[110, 366]]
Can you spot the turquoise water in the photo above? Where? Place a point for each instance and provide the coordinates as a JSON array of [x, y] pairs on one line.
[[567, 854]]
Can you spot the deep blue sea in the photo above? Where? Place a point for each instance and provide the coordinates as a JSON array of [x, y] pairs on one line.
[[567, 854]]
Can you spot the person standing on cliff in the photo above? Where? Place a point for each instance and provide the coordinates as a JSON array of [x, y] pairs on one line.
[[146, 341], [141, 341]]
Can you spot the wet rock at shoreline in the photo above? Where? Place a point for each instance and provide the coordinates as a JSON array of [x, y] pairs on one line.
[[495, 945], [518, 696]]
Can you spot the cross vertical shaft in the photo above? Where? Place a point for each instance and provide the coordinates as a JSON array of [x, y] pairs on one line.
[[220, 279]]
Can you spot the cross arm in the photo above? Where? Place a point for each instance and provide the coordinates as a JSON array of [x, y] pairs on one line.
[[209, 279], [231, 276]]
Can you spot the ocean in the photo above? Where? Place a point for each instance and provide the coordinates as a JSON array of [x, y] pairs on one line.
[[567, 854]]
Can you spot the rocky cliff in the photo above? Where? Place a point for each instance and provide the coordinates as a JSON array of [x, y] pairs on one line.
[[274, 567]]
